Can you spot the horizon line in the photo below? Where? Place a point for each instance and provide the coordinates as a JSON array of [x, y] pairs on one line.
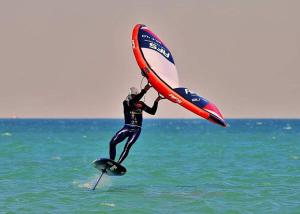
[[162, 118]]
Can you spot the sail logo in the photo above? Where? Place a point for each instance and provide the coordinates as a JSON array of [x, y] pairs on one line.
[[196, 99], [133, 44], [148, 38], [189, 92], [175, 99], [144, 36], [159, 49]]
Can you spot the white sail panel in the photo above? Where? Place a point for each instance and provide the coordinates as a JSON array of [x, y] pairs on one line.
[[163, 68]]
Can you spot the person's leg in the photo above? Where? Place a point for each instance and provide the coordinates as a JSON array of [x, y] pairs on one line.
[[134, 135], [118, 138]]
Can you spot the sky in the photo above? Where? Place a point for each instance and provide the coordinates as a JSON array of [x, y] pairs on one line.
[[73, 58]]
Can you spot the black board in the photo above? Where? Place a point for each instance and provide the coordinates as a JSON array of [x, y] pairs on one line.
[[109, 167]]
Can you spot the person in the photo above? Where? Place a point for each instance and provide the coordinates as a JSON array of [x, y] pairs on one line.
[[133, 116]]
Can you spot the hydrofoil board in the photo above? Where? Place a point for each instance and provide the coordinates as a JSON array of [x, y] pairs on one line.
[[109, 167]]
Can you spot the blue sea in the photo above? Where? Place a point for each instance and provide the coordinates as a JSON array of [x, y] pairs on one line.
[[176, 166]]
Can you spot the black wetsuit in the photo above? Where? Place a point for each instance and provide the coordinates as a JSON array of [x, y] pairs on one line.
[[133, 115]]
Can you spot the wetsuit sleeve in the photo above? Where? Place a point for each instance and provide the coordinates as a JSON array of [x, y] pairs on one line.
[[137, 97], [125, 104], [150, 110]]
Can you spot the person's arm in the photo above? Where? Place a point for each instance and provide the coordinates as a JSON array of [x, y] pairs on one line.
[[154, 107], [140, 95], [126, 106], [151, 110]]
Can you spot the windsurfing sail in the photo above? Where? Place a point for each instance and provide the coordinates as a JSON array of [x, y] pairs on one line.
[[157, 65]]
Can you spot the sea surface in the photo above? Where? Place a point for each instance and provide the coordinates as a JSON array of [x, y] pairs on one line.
[[176, 166]]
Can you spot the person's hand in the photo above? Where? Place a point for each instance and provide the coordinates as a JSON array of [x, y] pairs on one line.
[[138, 105], [147, 87], [159, 98]]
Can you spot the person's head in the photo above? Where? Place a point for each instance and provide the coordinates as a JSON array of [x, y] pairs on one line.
[[133, 91]]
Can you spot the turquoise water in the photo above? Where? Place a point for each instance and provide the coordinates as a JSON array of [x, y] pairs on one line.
[[176, 166]]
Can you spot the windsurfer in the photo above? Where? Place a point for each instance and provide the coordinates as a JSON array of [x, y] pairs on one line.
[[133, 115]]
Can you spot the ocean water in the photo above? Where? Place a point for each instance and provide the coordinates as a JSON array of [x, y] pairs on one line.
[[176, 166]]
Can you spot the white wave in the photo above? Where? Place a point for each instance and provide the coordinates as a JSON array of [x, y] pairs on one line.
[[287, 127], [7, 134], [89, 184], [108, 204], [56, 158]]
